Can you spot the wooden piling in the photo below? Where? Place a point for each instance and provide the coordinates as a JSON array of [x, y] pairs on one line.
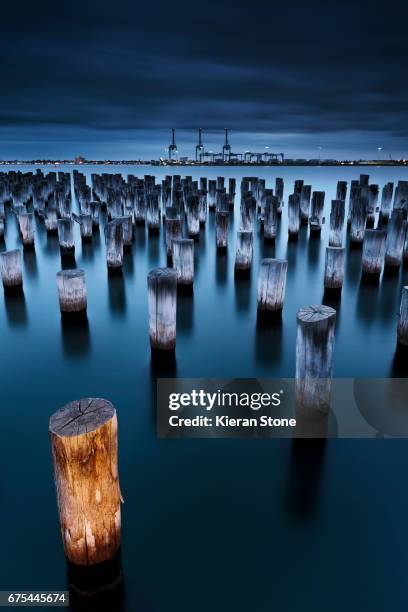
[[72, 292], [221, 230], [305, 195], [386, 202], [153, 213], [66, 236], [394, 245], [271, 218], [212, 194], [373, 251], [279, 187], [402, 330], [271, 285], [202, 206], [26, 226], [358, 220], [162, 299], [334, 267], [114, 246], [341, 190], [183, 260], [244, 251], [193, 219], [294, 215], [11, 271], [84, 443], [316, 212], [401, 195], [337, 215], [173, 232], [314, 356]]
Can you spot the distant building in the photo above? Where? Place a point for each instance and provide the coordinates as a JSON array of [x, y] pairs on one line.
[[79, 159]]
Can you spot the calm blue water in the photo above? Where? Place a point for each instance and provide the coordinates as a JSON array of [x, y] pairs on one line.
[[207, 524]]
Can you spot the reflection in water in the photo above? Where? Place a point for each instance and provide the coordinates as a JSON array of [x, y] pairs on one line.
[[30, 262], [97, 587], [267, 249], [389, 299], [399, 366], [52, 244], [153, 249], [268, 341], [353, 265], [16, 310], [87, 251], [291, 254], [221, 268], [305, 472], [185, 309], [314, 249], [128, 266], [367, 302], [140, 237], [333, 299], [117, 294], [68, 262], [163, 364], [242, 293], [76, 337]]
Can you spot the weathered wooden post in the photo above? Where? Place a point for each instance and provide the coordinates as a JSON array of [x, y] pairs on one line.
[[401, 195], [84, 443], [386, 202], [334, 267], [402, 330], [279, 186], [337, 215], [243, 252], [72, 293], [358, 220], [140, 207], [355, 191], [394, 245], [212, 194], [294, 215], [305, 203], [26, 226], [202, 206], [373, 251], [85, 225], [50, 220], [1, 230], [271, 285], [114, 246], [298, 186], [173, 232], [162, 299], [314, 356], [183, 260], [193, 219], [271, 217], [248, 212], [11, 272], [127, 231], [153, 213], [316, 212], [364, 180], [95, 211], [341, 191], [371, 192], [221, 230], [66, 236]]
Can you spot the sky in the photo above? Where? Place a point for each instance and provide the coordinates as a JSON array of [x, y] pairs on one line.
[[108, 80]]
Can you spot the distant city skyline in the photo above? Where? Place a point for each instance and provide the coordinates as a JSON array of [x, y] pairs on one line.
[[153, 144]]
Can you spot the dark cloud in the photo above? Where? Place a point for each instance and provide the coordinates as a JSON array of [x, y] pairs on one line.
[[279, 68]]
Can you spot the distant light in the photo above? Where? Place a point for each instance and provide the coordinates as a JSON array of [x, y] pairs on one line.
[[380, 148]]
